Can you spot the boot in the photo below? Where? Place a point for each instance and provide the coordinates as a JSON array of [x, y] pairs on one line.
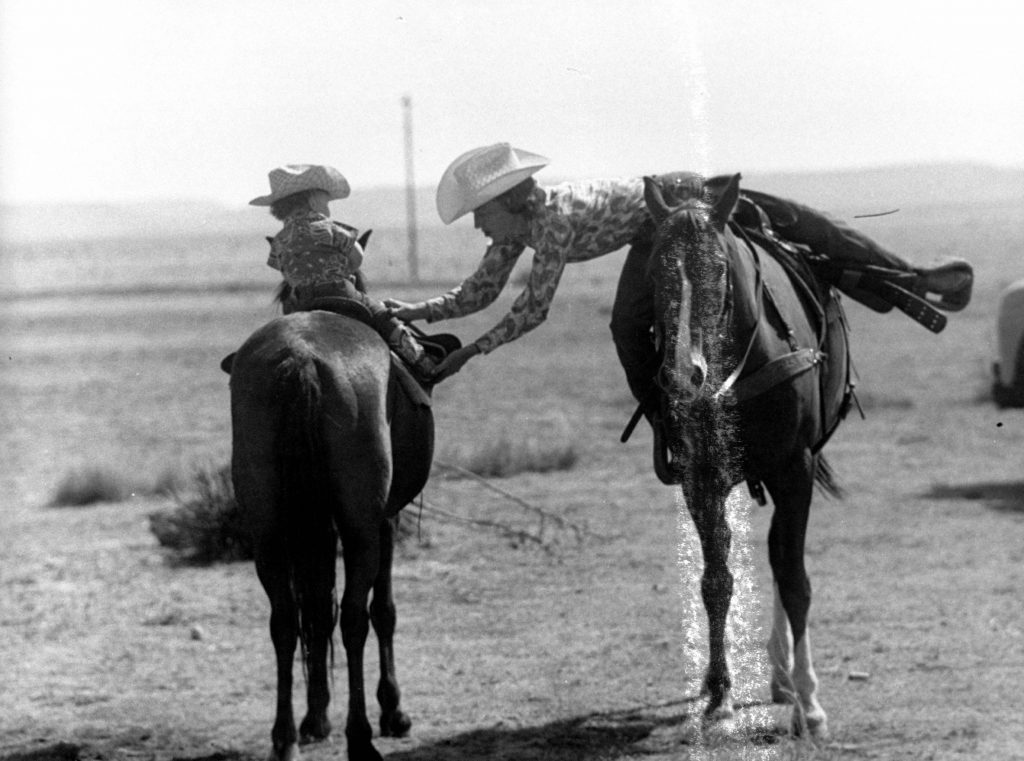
[[405, 345], [947, 285]]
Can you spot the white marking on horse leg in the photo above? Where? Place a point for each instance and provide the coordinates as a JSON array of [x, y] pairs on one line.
[[811, 714], [780, 653]]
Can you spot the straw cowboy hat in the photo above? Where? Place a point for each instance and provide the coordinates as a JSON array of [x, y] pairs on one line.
[[479, 175], [294, 178]]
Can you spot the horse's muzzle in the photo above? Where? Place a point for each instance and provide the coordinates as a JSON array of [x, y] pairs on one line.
[[685, 377]]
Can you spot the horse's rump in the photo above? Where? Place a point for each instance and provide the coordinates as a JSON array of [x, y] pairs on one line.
[[304, 387]]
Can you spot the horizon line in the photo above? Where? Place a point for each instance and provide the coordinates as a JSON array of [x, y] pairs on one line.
[[421, 187]]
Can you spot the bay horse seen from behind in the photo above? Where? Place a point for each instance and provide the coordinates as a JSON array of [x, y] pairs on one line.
[[326, 446], [755, 377]]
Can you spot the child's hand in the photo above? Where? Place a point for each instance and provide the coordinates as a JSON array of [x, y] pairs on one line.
[[406, 311]]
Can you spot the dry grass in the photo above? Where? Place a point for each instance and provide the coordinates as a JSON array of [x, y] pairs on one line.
[[508, 455]]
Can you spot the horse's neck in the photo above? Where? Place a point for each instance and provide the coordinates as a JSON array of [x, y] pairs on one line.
[[743, 261]]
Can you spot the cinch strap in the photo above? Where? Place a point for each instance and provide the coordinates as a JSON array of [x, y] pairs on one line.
[[775, 372]]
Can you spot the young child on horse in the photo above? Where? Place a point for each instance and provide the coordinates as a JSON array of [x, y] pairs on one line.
[[320, 257]]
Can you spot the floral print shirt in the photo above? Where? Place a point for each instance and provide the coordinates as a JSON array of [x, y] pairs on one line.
[[312, 249], [572, 222]]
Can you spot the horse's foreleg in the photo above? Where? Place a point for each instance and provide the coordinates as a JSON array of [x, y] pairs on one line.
[[707, 507], [361, 552], [393, 721], [791, 492]]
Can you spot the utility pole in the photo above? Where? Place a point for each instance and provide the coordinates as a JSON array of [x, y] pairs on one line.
[[410, 192]]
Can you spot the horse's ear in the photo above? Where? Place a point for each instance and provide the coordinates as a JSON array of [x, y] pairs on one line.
[[363, 238], [725, 203], [655, 200]]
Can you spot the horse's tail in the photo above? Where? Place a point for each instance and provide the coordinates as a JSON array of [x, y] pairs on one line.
[[310, 533], [825, 478]]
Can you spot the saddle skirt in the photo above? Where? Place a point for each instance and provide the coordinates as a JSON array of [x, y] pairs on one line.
[[436, 346]]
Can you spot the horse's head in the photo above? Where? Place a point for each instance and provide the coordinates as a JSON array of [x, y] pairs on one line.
[[688, 265]]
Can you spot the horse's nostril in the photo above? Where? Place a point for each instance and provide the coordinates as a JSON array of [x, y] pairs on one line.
[[697, 378]]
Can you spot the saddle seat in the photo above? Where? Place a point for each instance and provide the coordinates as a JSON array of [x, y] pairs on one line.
[[437, 346]]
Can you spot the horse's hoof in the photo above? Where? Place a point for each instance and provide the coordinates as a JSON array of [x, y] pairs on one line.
[[314, 729], [288, 753], [396, 724], [813, 725], [717, 713], [363, 752]]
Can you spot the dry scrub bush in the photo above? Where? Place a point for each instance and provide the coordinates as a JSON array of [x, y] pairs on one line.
[[90, 485], [206, 525]]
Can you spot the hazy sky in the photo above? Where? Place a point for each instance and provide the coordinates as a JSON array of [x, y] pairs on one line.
[[156, 99]]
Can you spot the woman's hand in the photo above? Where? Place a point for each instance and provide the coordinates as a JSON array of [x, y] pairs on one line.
[[403, 310], [454, 362]]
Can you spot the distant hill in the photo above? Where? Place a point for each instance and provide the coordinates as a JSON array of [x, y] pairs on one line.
[[882, 188], [848, 191]]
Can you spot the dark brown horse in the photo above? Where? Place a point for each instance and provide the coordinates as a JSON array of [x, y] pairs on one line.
[[326, 447], [755, 375]]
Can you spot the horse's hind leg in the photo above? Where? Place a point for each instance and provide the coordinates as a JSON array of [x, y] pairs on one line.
[[706, 503], [361, 550], [316, 568], [780, 652], [273, 572], [393, 721], [791, 489]]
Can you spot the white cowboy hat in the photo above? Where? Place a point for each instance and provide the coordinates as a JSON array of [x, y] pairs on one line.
[[294, 178], [479, 175]]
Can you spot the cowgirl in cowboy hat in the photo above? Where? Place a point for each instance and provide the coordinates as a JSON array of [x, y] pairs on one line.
[[320, 258], [578, 221]]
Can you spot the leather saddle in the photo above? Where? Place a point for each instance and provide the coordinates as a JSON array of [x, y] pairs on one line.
[[437, 346]]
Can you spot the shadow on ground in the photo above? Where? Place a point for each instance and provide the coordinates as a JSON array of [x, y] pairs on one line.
[[1006, 497], [651, 730], [664, 730]]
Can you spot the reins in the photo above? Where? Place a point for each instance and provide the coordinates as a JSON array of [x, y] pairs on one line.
[[777, 370], [729, 382]]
